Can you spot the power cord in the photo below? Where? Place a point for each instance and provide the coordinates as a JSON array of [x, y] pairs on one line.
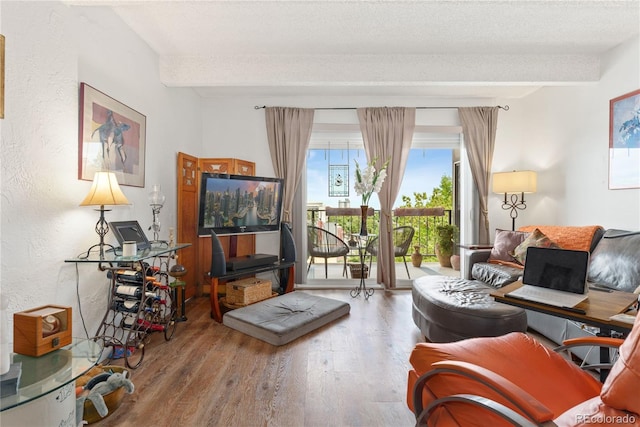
[[79, 305]]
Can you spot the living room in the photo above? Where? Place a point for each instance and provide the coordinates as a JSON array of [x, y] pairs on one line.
[[560, 130]]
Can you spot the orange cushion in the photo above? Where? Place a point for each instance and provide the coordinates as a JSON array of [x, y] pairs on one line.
[[517, 357], [620, 390], [577, 238]]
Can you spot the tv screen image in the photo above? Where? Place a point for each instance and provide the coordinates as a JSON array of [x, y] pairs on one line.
[[236, 204]]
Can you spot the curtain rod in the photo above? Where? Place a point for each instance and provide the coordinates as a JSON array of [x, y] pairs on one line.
[[505, 108]]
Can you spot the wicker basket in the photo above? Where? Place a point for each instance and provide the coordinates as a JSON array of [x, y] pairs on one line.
[[357, 271], [247, 291], [113, 400]]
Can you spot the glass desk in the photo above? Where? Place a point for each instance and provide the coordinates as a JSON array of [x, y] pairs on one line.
[[125, 328], [47, 373], [113, 257]]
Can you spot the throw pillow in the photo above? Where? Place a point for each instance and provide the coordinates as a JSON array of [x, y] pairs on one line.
[[536, 239], [620, 390], [504, 243]]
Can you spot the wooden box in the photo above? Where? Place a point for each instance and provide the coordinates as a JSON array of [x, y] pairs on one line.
[[247, 291], [41, 330]]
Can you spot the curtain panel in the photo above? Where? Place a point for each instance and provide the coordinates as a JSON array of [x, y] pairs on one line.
[[387, 133], [289, 133], [479, 126]]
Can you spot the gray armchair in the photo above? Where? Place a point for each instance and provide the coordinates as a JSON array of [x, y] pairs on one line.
[[324, 244]]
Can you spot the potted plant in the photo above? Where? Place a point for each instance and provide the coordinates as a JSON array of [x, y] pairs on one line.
[[444, 243]]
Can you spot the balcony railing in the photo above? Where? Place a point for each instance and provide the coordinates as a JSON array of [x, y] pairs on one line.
[[346, 221]]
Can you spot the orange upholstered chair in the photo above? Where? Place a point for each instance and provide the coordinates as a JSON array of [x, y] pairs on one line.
[[514, 380]]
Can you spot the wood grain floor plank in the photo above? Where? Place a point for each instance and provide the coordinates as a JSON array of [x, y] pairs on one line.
[[351, 372]]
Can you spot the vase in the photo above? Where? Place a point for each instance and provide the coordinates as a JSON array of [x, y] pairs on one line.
[[455, 262], [416, 257], [364, 210], [443, 258]]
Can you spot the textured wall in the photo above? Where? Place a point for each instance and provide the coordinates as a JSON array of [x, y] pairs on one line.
[[51, 49]]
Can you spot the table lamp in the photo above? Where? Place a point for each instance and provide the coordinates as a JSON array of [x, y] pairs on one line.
[[513, 183], [104, 191]]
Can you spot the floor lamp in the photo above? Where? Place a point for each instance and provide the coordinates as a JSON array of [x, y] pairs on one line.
[[513, 183], [104, 191]]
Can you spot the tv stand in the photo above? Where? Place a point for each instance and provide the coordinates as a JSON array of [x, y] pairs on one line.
[[216, 312], [250, 261]]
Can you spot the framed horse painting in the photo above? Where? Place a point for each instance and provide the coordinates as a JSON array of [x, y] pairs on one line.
[[624, 141], [112, 137]]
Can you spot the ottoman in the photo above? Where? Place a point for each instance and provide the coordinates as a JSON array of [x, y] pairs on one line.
[[451, 309], [284, 318]]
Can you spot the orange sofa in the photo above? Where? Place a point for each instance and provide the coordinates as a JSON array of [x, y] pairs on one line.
[[485, 381]]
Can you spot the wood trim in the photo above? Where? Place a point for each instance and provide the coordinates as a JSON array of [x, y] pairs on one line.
[[187, 218]]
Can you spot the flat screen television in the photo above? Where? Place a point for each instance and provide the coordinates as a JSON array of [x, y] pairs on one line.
[[239, 204]]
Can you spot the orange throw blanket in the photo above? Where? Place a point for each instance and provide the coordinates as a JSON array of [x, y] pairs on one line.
[[567, 237]]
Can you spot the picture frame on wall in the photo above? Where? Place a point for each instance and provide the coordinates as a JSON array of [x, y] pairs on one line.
[[624, 141], [112, 137]]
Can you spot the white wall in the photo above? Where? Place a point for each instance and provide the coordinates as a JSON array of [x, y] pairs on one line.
[[563, 133], [232, 127], [50, 49]]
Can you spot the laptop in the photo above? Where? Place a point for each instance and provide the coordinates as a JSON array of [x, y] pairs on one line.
[[130, 231], [556, 277]]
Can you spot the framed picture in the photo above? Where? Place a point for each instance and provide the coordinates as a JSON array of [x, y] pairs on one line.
[[112, 137], [130, 231], [624, 141]]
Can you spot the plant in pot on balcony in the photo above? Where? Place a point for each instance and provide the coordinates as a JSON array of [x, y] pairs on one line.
[[444, 243]]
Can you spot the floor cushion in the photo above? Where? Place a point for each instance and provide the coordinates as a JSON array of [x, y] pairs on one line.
[[284, 318]]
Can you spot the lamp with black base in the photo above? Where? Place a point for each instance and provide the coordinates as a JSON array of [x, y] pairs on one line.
[[104, 191], [513, 183]]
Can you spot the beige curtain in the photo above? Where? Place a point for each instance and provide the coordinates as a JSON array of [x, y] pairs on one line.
[[479, 128], [288, 132], [387, 134]]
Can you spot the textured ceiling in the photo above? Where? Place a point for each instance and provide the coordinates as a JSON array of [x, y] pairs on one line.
[[436, 48]]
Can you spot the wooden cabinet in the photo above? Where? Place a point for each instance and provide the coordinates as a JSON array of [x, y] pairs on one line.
[[199, 262], [187, 218]]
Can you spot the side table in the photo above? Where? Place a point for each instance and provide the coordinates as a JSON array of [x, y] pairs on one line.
[[362, 241], [46, 393]]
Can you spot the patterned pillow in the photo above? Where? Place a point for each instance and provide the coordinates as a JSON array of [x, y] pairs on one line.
[[536, 239], [504, 244]]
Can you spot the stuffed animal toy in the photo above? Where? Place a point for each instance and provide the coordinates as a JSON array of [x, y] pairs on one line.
[[100, 385]]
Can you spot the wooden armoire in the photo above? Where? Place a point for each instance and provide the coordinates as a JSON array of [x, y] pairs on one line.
[[197, 258]]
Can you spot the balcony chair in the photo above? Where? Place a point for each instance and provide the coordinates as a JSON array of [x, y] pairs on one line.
[[324, 244], [402, 237], [514, 380]]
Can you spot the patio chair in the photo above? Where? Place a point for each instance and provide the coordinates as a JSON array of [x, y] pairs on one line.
[[324, 244], [402, 237]]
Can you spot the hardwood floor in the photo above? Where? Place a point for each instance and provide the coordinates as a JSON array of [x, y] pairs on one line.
[[351, 372]]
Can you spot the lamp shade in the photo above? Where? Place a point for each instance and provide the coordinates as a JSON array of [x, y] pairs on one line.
[[105, 191], [515, 182]]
